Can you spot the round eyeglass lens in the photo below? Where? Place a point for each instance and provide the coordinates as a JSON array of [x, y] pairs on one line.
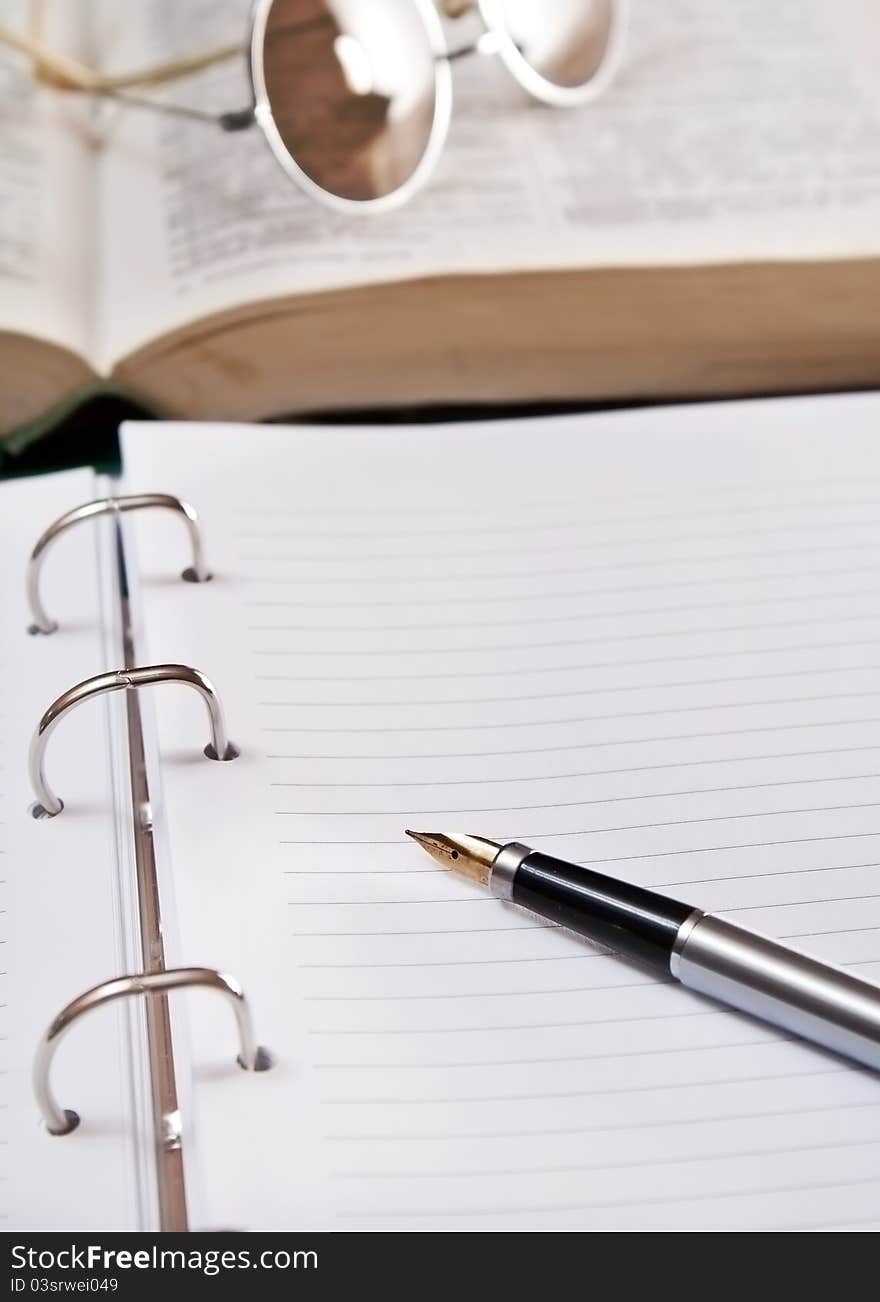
[[353, 96], [559, 50]]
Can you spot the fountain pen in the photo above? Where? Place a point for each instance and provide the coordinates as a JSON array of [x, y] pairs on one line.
[[705, 952]]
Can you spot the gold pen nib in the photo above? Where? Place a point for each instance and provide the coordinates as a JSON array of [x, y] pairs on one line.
[[472, 856]]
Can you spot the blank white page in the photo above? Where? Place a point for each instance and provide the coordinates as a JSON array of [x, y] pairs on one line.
[[646, 641], [59, 923]]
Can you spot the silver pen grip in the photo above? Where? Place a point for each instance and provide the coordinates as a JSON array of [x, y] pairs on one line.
[[759, 976]]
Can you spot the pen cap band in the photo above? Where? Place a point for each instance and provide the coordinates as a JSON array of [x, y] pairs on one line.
[[504, 869]]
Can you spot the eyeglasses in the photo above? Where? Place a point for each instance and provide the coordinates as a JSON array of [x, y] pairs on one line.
[[355, 96]]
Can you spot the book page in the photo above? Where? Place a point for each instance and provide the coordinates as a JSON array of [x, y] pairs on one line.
[[59, 897], [645, 641], [46, 191], [733, 132]]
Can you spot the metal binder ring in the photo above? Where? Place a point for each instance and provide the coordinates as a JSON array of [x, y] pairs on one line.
[[219, 748], [196, 573], [60, 1121]]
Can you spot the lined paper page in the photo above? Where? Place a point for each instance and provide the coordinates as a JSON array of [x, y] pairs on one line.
[[645, 641], [58, 906]]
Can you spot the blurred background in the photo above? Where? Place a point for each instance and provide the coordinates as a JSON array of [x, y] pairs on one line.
[[705, 224]]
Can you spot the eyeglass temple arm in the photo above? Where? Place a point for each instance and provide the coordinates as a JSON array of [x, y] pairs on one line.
[[234, 120], [68, 74]]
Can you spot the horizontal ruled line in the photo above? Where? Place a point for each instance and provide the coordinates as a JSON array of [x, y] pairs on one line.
[[529, 1026], [520, 599], [542, 1132], [583, 520], [547, 926], [466, 1213], [564, 777], [428, 729], [717, 849], [454, 962], [834, 931], [569, 804], [691, 881], [773, 872], [488, 994], [584, 745], [363, 872], [445, 626], [683, 684], [494, 902], [527, 671], [613, 567], [636, 1163], [795, 904], [496, 1100], [329, 904], [447, 931], [634, 827], [497, 962], [581, 504], [605, 690], [719, 818], [476, 1063]]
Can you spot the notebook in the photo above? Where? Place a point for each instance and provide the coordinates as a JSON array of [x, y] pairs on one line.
[[648, 641]]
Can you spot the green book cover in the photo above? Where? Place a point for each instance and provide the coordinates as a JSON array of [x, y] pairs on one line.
[[81, 432]]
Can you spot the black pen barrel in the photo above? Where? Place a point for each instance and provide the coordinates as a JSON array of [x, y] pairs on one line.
[[629, 919]]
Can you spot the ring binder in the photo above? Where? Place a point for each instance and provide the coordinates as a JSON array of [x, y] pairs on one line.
[[251, 1056], [195, 573], [219, 747]]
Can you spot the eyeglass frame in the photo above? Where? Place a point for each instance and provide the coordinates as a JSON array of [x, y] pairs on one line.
[[491, 14], [259, 111]]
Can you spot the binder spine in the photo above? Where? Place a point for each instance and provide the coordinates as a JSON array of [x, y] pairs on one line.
[[155, 980], [251, 1056], [196, 572], [48, 805]]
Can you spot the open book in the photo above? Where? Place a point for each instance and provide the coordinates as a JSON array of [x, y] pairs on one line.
[[643, 641], [710, 226]]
